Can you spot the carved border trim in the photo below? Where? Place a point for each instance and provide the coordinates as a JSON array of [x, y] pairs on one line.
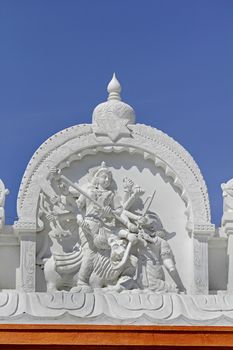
[[79, 140], [44, 152]]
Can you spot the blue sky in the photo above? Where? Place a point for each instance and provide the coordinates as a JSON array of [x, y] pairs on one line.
[[174, 59]]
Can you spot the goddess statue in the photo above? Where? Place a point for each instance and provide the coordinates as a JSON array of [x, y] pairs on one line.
[[116, 248]]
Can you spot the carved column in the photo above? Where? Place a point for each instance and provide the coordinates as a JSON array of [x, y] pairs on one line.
[[227, 227], [201, 235], [230, 263], [25, 275]]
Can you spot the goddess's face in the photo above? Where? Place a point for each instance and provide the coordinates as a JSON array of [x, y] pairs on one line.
[[104, 179]]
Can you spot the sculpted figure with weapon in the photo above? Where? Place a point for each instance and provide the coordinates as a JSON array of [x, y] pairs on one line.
[[104, 220], [101, 218]]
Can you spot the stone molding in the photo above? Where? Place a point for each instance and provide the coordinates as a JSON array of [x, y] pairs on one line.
[[115, 308]]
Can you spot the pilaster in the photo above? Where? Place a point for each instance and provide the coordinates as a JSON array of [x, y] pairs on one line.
[[227, 227], [201, 235], [25, 274]]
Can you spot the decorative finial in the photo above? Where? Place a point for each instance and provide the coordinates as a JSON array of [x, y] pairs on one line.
[[114, 89]]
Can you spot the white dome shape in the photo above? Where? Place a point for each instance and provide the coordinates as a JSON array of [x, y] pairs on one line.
[[114, 108]]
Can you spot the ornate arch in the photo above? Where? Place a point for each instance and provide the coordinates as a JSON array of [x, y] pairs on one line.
[[75, 142]]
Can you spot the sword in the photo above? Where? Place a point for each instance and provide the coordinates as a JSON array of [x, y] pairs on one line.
[[149, 204]]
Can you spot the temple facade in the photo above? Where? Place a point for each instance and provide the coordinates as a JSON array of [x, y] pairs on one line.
[[114, 227]]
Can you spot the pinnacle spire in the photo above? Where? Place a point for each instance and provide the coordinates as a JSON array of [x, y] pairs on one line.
[[114, 89]]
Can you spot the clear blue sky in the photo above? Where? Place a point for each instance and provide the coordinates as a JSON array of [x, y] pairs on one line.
[[174, 59]]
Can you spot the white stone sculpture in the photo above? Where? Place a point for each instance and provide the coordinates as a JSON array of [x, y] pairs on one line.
[[3, 192], [227, 226], [111, 118], [114, 227], [116, 248], [227, 193]]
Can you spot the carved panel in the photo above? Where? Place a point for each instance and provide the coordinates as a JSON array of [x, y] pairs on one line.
[[27, 265]]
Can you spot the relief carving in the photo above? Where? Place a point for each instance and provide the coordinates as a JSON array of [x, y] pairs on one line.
[[227, 193], [28, 266], [113, 246]]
